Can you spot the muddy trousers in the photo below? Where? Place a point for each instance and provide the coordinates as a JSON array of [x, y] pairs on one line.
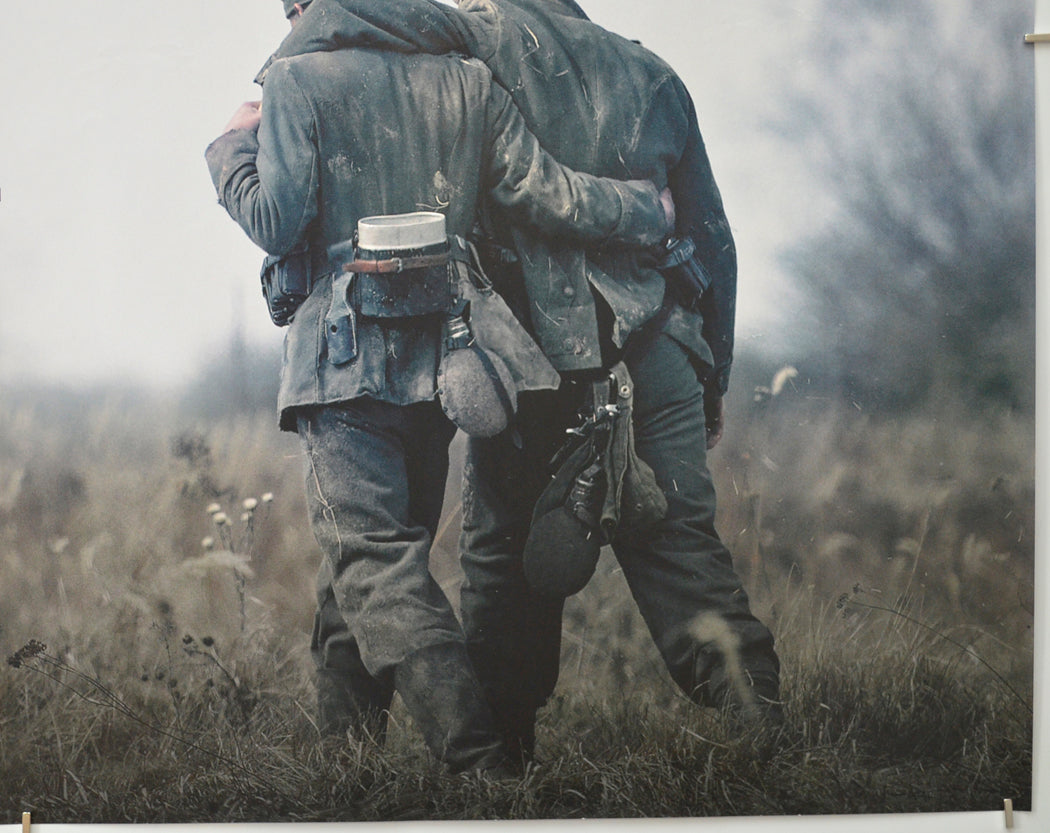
[[375, 479], [677, 569]]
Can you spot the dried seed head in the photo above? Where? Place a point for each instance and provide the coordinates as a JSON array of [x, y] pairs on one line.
[[266, 497], [220, 518], [208, 543], [213, 508], [246, 516], [32, 648], [249, 504]]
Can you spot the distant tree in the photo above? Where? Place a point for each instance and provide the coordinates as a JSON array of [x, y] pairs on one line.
[[918, 116], [239, 379]]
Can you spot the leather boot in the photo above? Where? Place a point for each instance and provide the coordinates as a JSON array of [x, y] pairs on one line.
[[517, 727], [354, 703], [520, 739], [755, 708], [440, 691]]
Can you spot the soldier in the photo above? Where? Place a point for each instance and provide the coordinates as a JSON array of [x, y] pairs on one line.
[[606, 105], [341, 137]]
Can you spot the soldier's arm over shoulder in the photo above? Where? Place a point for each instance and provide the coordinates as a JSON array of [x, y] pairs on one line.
[[530, 184], [267, 179]]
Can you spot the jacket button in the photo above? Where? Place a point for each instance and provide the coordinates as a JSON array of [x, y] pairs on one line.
[[569, 292]]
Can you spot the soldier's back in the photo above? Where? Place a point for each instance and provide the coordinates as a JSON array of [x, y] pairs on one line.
[[394, 133]]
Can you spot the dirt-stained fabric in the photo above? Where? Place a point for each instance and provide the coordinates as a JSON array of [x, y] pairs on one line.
[[638, 121], [355, 133]]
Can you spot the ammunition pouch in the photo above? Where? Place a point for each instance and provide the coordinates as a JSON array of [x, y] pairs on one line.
[[405, 266], [685, 275], [379, 284], [287, 281], [396, 284]]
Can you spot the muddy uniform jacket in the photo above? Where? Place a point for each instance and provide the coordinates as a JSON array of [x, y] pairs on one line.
[[356, 133], [599, 103]]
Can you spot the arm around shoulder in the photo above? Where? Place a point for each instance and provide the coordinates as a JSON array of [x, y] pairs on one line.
[[534, 187]]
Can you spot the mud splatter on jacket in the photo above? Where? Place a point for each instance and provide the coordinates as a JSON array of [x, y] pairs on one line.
[[354, 133], [599, 103]]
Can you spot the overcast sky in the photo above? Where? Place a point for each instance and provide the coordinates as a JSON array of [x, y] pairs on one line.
[[115, 258]]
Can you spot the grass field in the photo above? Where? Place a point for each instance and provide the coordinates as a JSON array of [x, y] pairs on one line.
[[892, 558]]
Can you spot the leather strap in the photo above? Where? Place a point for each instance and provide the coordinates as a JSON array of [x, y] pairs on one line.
[[395, 264]]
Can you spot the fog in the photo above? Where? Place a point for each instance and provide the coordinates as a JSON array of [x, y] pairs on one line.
[[117, 263]]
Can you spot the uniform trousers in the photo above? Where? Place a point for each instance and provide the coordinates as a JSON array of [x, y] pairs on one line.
[[676, 569], [375, 481], [375, 477]]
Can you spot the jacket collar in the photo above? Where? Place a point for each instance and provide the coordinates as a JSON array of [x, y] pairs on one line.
[[407, 26]]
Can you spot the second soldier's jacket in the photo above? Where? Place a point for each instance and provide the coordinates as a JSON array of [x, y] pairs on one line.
[[599, 103], [356, 133]]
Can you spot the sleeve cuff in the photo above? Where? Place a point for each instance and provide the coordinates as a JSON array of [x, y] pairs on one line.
[[225, 153], [642, 219]]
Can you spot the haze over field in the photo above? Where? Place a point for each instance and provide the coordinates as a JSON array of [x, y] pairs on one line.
[[876, 482]]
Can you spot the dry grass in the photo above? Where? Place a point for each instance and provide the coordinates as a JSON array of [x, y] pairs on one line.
[[892, 560]]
